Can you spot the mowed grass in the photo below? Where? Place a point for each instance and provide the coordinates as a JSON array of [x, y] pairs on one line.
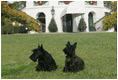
[[98, 50]]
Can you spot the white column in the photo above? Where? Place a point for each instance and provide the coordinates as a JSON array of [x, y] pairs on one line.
[[47, 24], [76, 20], [59, 24], [86, 20]]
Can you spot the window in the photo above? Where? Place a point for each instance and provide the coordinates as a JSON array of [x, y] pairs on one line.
[[91, 2], [65, 2], [39, 3]]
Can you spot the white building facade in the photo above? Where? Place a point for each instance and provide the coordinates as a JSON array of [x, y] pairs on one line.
[[67, 16]]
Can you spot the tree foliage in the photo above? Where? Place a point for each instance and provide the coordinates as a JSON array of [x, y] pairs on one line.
[[114, 6], [82, 25], [53, 26], [110, 21], [6, 21], [21, 17]]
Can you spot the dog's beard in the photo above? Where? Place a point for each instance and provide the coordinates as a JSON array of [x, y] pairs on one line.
[[33, 59]]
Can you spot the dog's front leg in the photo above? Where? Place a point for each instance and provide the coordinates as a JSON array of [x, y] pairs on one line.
[[65, 68], [38, 68]]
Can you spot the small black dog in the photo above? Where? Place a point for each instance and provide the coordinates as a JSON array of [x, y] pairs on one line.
[[73, 63], [45, 60]]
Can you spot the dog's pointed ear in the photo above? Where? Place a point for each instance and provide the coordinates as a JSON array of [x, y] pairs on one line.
[[68, 43], [75, 45], [41, 46]]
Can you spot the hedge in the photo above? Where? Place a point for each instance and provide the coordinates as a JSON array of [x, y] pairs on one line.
[[13, 29]]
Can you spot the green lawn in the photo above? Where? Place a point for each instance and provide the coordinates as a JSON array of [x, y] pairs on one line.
[[98, 50]]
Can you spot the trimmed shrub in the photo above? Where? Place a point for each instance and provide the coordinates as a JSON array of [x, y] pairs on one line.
[[16, 29], [13, 29], [53, 26], [82, 25], [7, 30], [115, 27], [3, 30], [23, 30]]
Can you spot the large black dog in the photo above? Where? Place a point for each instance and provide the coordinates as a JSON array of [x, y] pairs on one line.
[[73, 63], [45, 60]]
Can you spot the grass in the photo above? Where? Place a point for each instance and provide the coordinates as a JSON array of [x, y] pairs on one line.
[[98, 50]]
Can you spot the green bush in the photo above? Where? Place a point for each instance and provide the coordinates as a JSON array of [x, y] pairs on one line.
[[12, 29], [82, 25], [53, 26], [6, 30], [16, 29], [110, 21], [3, 30], [115, 27], [23, 30]]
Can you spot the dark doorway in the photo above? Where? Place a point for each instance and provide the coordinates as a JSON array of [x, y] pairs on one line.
[[67, 23], [41, 18], [90, 21]]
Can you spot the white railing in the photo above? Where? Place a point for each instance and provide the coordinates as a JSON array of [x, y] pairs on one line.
[[98, 24]]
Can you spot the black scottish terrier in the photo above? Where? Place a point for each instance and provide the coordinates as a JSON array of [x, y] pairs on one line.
[[73, 63], [45, 60]]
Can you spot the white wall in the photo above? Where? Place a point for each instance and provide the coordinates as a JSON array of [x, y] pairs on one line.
[[76, 20], [98, 12], [60, 10]]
